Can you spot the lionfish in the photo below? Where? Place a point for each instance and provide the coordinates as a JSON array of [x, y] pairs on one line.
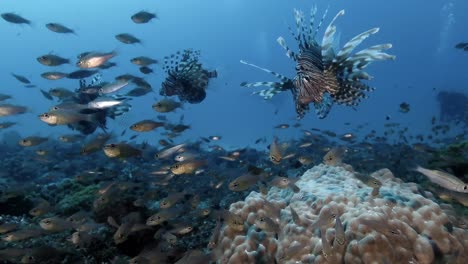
[[186, 77], [323, 76]]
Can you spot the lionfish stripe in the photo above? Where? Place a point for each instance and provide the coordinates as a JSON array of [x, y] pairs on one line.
[[344, 53], [281, 77]]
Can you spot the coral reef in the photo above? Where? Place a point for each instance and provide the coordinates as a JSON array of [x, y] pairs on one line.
[[336, 218]]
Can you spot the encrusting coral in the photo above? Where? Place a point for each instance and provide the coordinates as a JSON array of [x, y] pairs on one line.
[[335, 218]]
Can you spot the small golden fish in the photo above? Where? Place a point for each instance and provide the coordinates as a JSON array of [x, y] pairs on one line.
[[32, 141], [166, 105], [171, 199], [146, 125], [22, 235], [243, 182], [187, 167], [42, 208], [95, 144], [94, 59], [121, 150], [267, 224], [71, 138], [164, 215], [334, 156], [275, 152], [55, 224], [283, 183], [8, 227]]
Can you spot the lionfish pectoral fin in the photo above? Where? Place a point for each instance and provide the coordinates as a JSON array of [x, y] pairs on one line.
[[277, 75], [267, 94], [275, 88]]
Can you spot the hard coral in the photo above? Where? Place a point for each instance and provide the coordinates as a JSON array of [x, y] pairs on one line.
[[399, 225]]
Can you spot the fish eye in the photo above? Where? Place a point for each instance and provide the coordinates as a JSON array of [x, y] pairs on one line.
[[284, 180], [45, 115], [262, 219], [120, 235], [112, 145], [55, 108], [47, 222]]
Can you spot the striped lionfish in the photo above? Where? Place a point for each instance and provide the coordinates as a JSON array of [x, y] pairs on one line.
[[186, 77], [323, 76]]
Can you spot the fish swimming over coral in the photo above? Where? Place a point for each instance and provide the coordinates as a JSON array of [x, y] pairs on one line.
[[324, 74]]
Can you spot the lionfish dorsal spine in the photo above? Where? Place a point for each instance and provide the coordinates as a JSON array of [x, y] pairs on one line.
[[345, 52], [320, 24], [299, 16], [313, 13], [328, 40]]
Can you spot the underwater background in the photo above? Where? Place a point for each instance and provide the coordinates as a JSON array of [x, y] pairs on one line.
[[404, 123]]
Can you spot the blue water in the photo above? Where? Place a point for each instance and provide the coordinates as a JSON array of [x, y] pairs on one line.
[[423, 34]]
